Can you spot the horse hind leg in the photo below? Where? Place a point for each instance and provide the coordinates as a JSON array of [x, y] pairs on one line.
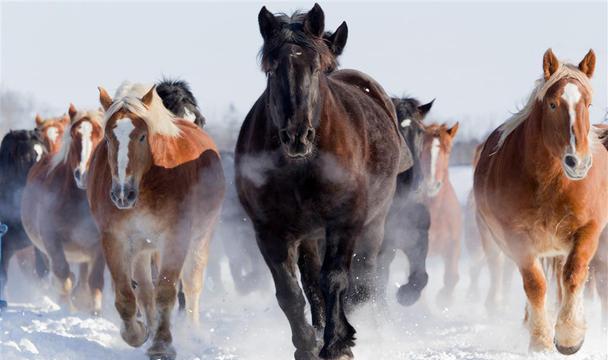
[[600, 270], [495, 259]]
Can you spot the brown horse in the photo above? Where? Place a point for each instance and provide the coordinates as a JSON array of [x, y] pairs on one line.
[[51, 131], [443, 205], [317, 160], [155, 191], [541, 188], [56, 216]]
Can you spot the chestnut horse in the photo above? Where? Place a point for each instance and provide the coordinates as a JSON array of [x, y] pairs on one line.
[[51, 131], [317, 160], [541, 188], [443, 205], [155, 190], [56, 215]]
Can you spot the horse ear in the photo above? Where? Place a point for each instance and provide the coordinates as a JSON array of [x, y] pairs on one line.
[[588, 64], [172, 151], [39, 120], [337, 40], [424, 109], [104, 98], [550, 64], [314, 22], [268, 23], [147, 99], [65, 120], [453, 130], [72, 111]]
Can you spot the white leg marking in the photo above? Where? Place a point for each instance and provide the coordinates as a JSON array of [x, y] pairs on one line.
[[85, 129], [572, 95], [122, 131]]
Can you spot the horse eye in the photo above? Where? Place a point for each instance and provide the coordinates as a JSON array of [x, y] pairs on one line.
[[142, 138], [552, 106]]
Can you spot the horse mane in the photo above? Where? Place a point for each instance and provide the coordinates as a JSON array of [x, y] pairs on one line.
[[565, 71], [405, 106], [292, 31], [178, 98], [157, 117], [13, 164], [61, 157]]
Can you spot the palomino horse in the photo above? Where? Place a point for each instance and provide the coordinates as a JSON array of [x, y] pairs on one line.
[[19, 151], [317, 159], [156, 187], [541, 188], [56, 215], [51, 131], [440, 197], [408, 222]]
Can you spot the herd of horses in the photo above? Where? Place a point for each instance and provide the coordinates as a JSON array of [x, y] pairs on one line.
[[334, 177]]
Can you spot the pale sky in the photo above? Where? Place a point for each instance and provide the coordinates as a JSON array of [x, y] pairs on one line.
[[479, 60]]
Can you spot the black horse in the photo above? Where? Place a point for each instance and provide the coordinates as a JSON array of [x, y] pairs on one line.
[[20, 149], [408, 222], [317, 159], [178, 98]]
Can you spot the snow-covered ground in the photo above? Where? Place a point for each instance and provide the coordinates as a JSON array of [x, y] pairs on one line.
[[252, 327]]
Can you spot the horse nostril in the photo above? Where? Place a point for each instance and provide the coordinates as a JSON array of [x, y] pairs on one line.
[[284, 136], [570, 161], [131, 195], [77, 174], [310, 135], [113, 196]]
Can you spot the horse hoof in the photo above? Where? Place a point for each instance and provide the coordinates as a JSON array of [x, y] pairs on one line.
[[407, 295], [568, 350], [343, 353], [161, 352], [137, 336]]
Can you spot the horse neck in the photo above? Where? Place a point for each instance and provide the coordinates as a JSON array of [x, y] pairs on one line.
[[536, 158]]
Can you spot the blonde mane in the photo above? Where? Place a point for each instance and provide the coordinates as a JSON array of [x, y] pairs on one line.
[[156, 116], [66, 140], [565, 71]]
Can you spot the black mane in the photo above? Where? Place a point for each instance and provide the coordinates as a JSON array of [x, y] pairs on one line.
[[177, 97], [406, 107]]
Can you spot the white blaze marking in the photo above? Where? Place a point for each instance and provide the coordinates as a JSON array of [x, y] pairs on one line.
[[85, 129], [52, 133], [189, 115], [406, 123], [122, 131], [435, 146], [572, 95], [38, 150]]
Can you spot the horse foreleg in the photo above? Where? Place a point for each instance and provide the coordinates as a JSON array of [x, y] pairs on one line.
[[495, 260], [535, 287], [62, 276], [309, 263], [570, 327], [133, 331], [600, 270], [339, 334], [416, 252], [96, 282], [193, 276], [81, 295], [144, 287], [281, 257]]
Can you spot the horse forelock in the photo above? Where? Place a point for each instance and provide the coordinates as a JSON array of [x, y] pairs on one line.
[[292, 32], [158, 119], [61, 157], [565, 71]]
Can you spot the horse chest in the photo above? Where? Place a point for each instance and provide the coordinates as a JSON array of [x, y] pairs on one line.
[[144, 231]]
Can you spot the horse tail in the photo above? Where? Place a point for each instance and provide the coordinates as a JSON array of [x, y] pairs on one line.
[[178, 98]]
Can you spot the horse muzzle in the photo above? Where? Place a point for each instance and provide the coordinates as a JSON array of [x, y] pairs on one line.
[[576, 168], [81, 179], [124, 196], [299, 144]]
